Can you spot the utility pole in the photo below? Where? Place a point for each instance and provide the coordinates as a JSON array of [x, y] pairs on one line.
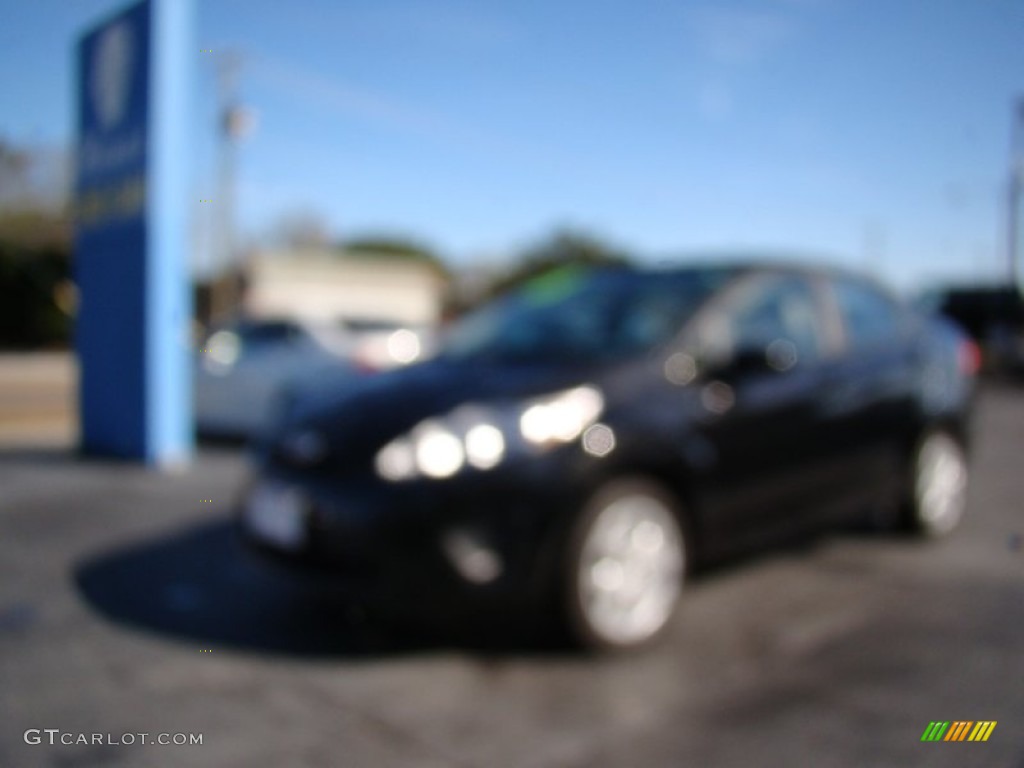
[[1014, 189], [224, 294]]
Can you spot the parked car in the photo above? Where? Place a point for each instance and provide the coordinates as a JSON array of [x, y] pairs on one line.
[[578, 447], [993, 315], [241, 369], [245, 370], [378, 345]]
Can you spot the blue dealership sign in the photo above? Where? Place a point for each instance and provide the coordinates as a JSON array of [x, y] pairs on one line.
[[131, 234]]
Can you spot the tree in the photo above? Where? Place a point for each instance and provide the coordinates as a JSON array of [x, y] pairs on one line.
[[563, 248], [393, 247], [302, 229], [33, 177], [35, 249], [35, 275], [14, 169], [38, 228]]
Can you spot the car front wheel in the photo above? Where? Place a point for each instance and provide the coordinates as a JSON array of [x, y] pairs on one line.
[[624, 566]]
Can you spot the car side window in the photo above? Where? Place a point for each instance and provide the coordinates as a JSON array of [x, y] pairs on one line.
[[868, 315], [782, 310]]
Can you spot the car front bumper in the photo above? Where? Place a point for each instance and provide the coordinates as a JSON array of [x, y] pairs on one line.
[[490, 534]]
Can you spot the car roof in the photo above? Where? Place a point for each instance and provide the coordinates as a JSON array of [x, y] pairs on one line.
[[751, 264]]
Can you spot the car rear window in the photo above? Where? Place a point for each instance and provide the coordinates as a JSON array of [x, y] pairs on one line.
[[869, 315]]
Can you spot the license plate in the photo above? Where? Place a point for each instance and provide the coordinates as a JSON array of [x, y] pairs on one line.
[[277, 514]]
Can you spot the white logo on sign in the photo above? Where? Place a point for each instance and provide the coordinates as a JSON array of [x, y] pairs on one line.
[[111, 74]]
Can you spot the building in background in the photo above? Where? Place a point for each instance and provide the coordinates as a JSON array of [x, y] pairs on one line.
[[324, 284]]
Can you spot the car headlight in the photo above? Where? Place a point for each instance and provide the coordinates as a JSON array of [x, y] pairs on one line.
[[481, 438], [562, 418], [485, 446], [438, 448], [222, 352]]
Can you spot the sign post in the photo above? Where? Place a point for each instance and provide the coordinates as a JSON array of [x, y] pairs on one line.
[[132, 235]]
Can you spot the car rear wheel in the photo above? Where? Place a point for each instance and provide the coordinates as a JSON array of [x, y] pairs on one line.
[[938, 493], [625, 566]]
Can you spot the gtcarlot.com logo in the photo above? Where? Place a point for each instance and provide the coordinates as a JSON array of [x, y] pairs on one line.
[[68, 738], [958, 730]]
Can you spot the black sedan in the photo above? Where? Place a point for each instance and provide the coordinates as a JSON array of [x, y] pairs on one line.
[[578, 447]]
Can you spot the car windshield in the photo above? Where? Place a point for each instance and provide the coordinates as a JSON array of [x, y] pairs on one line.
[[583, 316]]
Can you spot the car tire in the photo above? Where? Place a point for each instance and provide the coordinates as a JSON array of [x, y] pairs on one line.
[[937, 492], [624, 566]]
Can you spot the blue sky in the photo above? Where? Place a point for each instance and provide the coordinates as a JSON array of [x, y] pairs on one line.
[[875, 132]]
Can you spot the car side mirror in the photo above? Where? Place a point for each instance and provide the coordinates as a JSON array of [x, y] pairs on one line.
[[777, 357], [747, 361]]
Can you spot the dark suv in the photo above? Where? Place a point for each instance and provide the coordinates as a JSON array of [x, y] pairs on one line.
[[992, 315], [577, 447]]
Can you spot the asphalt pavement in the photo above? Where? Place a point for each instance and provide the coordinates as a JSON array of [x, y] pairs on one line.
[[127, 607]]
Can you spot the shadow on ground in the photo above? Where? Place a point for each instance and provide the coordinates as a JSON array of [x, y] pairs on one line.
[[203, 585]]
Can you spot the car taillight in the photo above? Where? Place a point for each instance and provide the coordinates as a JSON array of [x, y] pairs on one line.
[[969, 357]]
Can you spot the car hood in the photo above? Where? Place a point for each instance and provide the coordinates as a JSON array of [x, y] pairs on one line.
[[380, 406]]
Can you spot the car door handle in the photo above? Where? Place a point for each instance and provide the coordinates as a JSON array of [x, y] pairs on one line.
[[717, 397]]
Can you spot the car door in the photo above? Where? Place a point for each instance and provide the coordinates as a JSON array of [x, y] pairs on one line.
[[764, 445], [870, 389]]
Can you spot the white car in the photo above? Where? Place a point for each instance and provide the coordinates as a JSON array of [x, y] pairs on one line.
[[243, 369], [378, 345]]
